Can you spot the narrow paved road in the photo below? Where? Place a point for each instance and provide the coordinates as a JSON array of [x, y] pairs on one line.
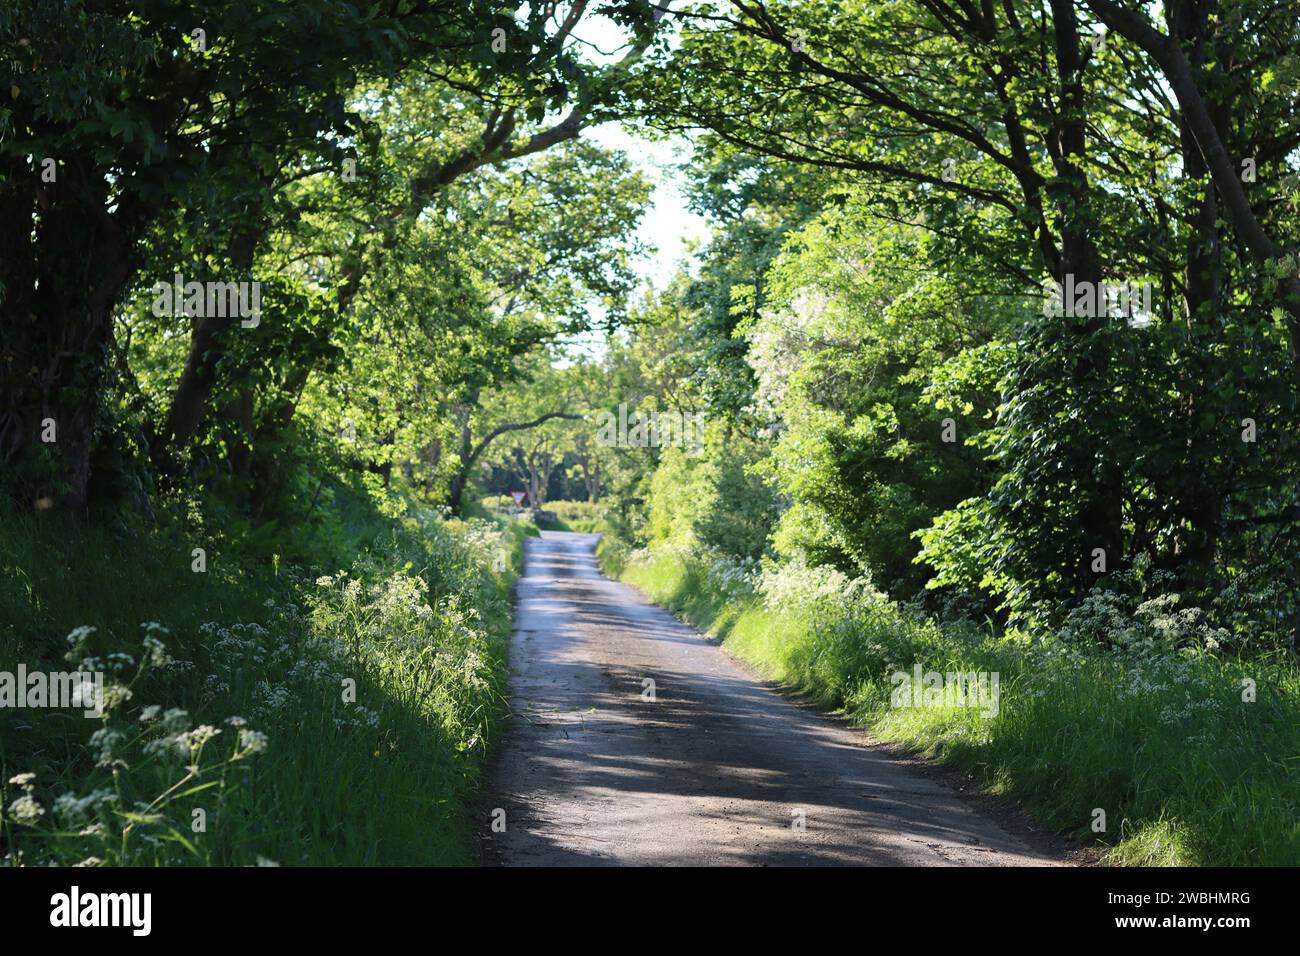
[[716, 769]]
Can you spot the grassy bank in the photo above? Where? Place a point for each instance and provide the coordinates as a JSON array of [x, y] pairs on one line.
[[1161, 740], [581, 516], [323, 700]]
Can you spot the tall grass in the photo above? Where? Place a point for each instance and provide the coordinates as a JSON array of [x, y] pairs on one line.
[[262, 711], [1186, 770]]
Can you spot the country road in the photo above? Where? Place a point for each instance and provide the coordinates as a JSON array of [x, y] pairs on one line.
[[715, 769]]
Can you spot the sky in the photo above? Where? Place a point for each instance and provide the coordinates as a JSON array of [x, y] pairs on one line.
[[668, 224]]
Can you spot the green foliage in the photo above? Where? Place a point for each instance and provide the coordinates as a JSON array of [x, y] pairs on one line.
[[712, 497], [239, 701], [333, 173], [583, 516], [858, 362], [890, 409], [933, 173]]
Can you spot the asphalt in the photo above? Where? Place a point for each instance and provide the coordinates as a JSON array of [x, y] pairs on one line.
[[713, 768]]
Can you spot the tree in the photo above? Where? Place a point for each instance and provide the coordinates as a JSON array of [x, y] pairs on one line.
[[856, 362], [1031, 149], [133, 111], [158, 124]]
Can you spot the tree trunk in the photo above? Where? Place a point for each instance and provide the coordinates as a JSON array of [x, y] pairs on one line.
[[1101, 514], [1203, 501], [194, 388], [60, 294]]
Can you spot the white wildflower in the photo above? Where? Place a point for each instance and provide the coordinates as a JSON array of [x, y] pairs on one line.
[[73, 810], [115, 694], [199, 736], [156, 651], [106, 740], [26, 810], [252, 741], [79, 634]]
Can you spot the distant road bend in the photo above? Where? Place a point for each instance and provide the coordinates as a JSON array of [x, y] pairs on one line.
[[716, 769]]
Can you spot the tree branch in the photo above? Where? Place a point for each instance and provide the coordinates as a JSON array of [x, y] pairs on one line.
[[1172, 61], [514, 427]]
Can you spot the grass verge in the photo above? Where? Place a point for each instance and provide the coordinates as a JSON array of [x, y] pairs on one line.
[[329, 705]]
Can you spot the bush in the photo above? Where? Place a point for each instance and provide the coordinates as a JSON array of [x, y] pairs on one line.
[[715, 500]]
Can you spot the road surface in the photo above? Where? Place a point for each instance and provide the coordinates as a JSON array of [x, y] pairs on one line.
[[715, 769]]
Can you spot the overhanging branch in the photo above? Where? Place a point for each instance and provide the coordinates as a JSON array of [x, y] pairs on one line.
[[515, 427]]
